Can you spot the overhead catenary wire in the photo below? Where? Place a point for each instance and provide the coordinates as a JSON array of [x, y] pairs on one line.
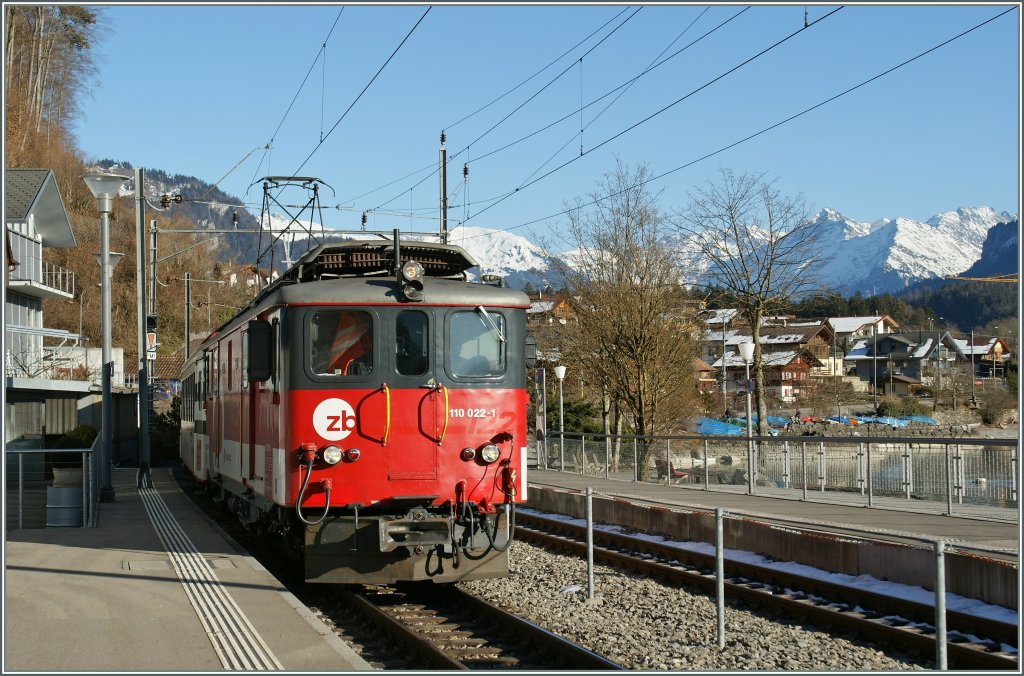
[[762, 131], [360, 95], [622, 91], [661, 110], [431, 166], [619, 88], [550, 63], [520, 106]]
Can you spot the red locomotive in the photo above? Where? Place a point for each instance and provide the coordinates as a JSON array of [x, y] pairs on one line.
[[370, 407]]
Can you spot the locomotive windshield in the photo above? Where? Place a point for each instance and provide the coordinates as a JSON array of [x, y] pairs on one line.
[[477, 345], [341, 342]]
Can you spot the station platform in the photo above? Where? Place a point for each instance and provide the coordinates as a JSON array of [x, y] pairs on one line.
[[997, 539], [156, 586]]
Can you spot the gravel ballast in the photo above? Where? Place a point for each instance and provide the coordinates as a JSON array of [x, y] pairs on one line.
[[644, 624]]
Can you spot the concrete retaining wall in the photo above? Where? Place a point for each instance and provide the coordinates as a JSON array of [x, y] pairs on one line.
[[967, 575]]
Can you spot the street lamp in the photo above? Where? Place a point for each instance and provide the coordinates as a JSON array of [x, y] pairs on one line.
[[104, 188], [560, 374], [747, 355]]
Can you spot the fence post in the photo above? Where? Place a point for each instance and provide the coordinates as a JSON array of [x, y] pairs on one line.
[[590, 542], [720, 575], [707, 476], [85, 496], [821, 465], [583, 455], [636, 464], [949, 482], [906, 469], [871, 490], [860, 467], [803, 466], [785, 464], [940, 606], [1013, 474], [21, 491], [668, 462], [958, 475]]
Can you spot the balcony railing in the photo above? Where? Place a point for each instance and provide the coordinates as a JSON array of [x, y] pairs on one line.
[[44, 276]]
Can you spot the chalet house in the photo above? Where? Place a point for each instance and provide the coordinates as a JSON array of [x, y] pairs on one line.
[[988, 354], [42, 397], [849, 330], [813, 337], [705, 374], [786, 372], [900, 363], [556, 308]]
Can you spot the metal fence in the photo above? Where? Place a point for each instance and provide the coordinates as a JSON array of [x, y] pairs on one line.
[[51, 487], [956, 476]]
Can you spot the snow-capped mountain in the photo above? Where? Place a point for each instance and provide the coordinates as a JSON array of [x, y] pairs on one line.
[[888, 255], [884, 256]]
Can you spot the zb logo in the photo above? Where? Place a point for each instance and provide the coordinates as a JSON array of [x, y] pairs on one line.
[[334, 419]]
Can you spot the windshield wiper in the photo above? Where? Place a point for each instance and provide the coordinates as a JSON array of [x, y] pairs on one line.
[[490, 321]]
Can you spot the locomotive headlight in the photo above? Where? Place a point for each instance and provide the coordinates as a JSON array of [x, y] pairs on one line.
[[332, 455], [412, 271], [468, 454], [490, 453], [412, 281]]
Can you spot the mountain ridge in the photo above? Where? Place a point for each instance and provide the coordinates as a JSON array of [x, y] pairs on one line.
[[887, 255]]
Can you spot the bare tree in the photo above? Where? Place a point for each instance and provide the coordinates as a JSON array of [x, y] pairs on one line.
[[47, 61], [632, 332], [759, 247]]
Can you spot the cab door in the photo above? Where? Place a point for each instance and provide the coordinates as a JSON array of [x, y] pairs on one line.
[[419, 415]]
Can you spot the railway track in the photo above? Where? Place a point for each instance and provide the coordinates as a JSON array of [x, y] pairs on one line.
[[449, 629], [972, 642]]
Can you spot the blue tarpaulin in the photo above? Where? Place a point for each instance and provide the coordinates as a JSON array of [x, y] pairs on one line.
[[718, 428], [920, 419], [884, 420]]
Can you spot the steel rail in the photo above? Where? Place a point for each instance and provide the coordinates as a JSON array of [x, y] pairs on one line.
[[819, 601], [436, 653]]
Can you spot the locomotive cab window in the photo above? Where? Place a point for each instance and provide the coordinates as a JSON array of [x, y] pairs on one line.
[[477, 343], [411, 344], [341, 343]]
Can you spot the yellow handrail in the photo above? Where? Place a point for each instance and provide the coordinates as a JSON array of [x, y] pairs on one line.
[[387, 413], [444, 429]]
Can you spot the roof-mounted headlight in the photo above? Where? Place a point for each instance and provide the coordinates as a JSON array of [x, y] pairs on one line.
[[412, 280]]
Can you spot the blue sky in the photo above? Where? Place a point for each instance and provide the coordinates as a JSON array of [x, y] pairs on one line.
[[193, 89]]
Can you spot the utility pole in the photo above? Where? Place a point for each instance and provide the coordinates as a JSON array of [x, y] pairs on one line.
[[444, 191], [143, 480]]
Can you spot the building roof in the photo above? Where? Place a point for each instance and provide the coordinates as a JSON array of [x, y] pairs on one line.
[[34, 192], [979, 348], [853, 324], [916, 345], [721, 316]]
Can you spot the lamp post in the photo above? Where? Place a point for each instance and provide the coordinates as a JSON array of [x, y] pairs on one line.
[[747, 355], [560, 374], [104, 188]]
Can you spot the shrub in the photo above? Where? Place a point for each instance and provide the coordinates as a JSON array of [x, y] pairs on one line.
[[997, 403], [897, 407]]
